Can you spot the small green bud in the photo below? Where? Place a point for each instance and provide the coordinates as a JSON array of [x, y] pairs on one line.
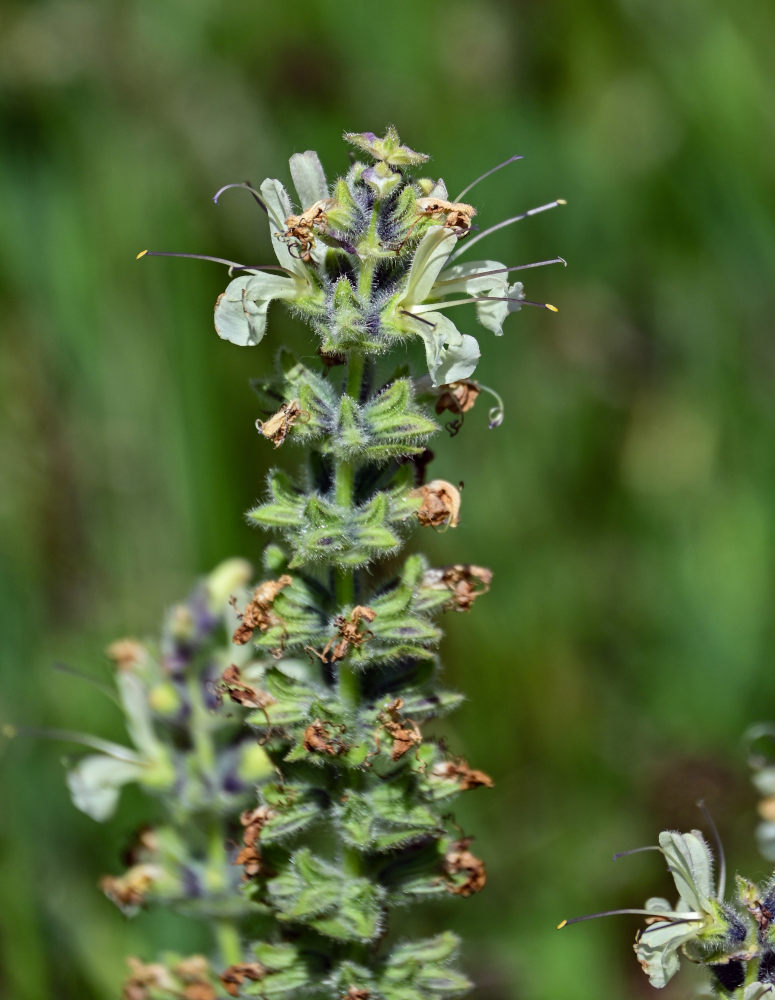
[[381, 179], [163, 699], [254, 765], [387, 149], [181, 623], [225, 579]]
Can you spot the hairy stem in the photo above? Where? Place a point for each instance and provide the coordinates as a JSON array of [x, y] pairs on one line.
[[349, 683]]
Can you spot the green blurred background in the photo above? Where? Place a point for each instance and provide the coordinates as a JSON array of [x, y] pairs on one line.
[[625, 506]]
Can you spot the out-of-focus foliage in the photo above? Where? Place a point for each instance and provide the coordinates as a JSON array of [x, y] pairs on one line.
[[625, 506]]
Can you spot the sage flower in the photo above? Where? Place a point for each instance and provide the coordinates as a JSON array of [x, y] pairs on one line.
[[700, 925], [372, 260]]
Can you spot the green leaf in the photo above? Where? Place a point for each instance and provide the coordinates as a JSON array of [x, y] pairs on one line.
[[350, 434], [295, 808], [318, 894], [386, 817], [391, 417], [292, 700]]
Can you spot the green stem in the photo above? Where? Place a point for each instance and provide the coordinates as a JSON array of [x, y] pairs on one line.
[[344, 492], [228, 941], [200, 729], [226, 933]]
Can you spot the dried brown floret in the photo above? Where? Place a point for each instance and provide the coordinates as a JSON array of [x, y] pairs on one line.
[[356, 993], [348, 635], [196, 976], [440, 504], [254, 820], [233, 977], [456, 214], [458, 397], [465, 776], [129, 891], [300, 229], [276, 428], [766, 808], [244, 694], [323, 737], [143, 978], [250, 857], [125, 653], [404, 733], [464, 582], [460, 860], [258, 613]]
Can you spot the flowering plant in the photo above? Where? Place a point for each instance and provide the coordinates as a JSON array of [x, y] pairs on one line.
[[331, 673]]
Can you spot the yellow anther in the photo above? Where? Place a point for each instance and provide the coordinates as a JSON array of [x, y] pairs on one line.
[[141, 254], [561, 924], [552, 308]]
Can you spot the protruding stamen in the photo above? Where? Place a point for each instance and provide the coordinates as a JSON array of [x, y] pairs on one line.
[[113, 750], [414, 315], [492, 170], [247, 187], [506, 222], [722, 862], [505, 270], [436, 306], [496, 413], [614, 913], [231, 264], [634, 850], [73, 672]]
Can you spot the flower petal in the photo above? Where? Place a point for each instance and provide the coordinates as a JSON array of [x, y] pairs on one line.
[[309, 179], [240, 311], [278, 206], [95, 783], [471, 279], [450, 354], [690, 863], [758, 991], [430, 256], [657, 949]]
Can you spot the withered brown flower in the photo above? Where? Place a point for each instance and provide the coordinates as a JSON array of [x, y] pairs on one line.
[[460, 860], [233, 977], [276, 428], [440, 504], [258, 613], [465, 583]]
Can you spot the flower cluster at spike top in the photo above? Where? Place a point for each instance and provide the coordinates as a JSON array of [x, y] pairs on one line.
[[372, 260], [734, 941], [284, 726]]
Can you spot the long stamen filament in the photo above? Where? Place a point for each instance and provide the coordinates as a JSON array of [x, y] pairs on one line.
[[94, 742], [247, 187], [503, 270], [506, 222], [492, 170], [496, 413], [722, 861], [435, 306], [635, 850], [231, 264], [65, 668], [664, 917]]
